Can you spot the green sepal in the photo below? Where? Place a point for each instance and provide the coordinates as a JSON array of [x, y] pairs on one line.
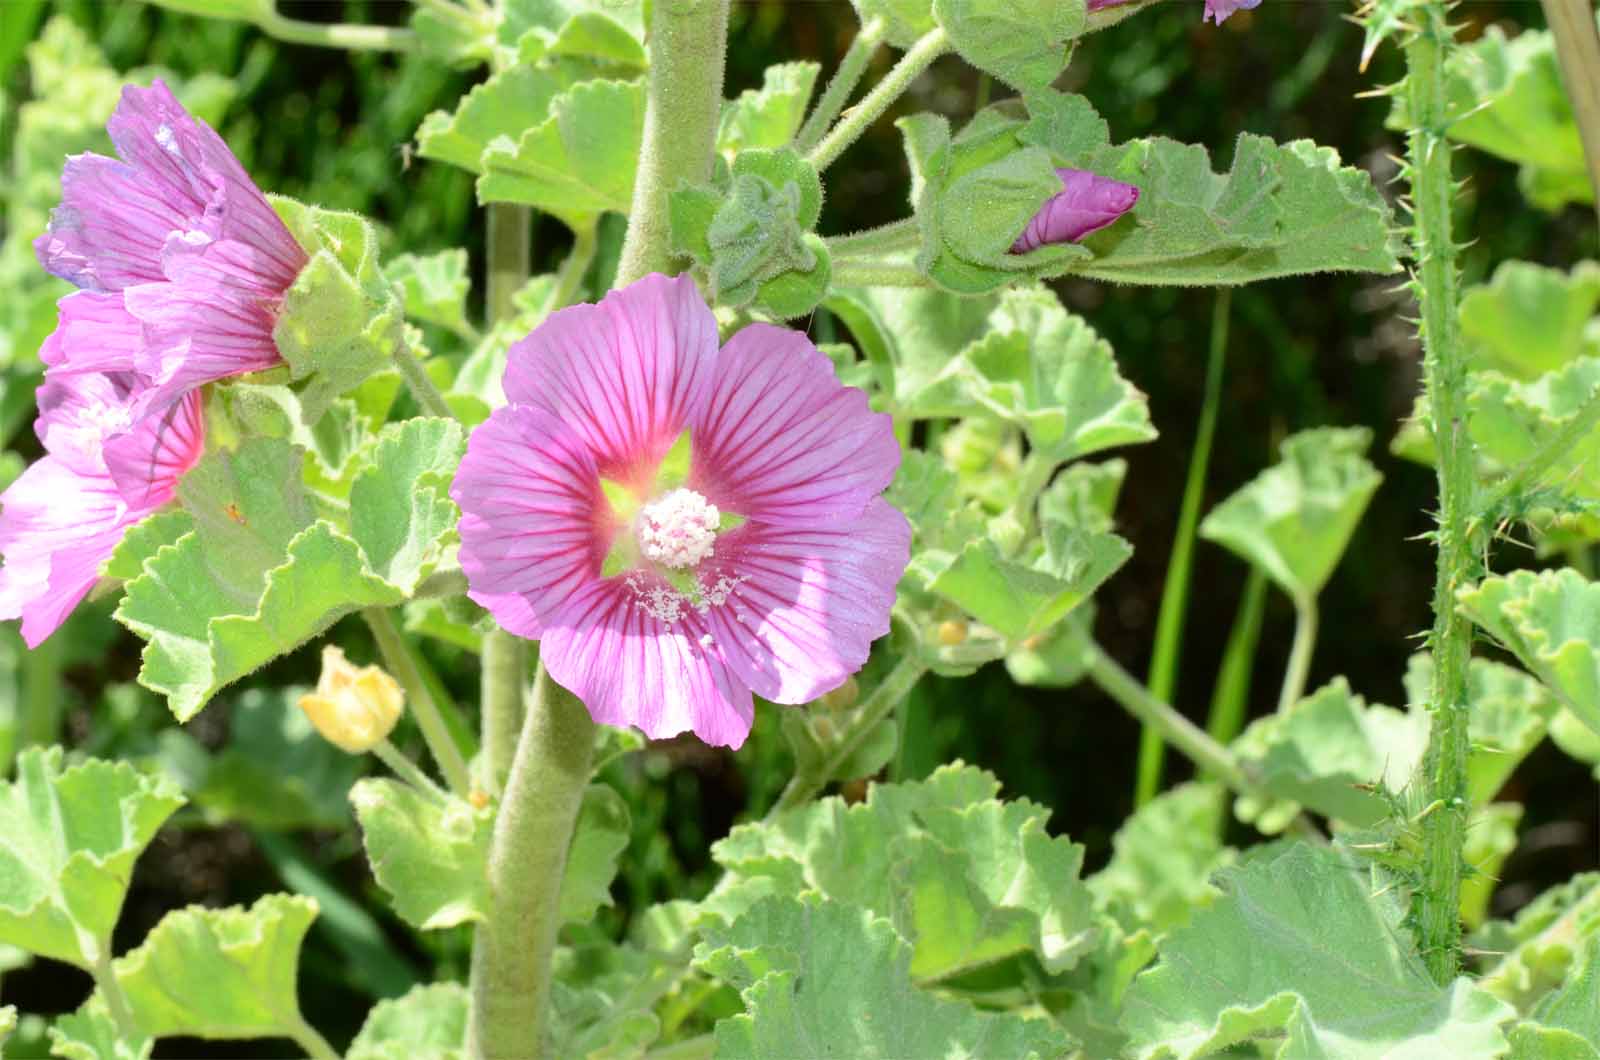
[[729, 521], [625, 502], [673, 471]]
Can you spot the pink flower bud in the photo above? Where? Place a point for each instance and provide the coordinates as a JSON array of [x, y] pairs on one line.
[[1086, 203]]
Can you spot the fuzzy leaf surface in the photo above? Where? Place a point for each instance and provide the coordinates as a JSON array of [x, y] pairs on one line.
[[430, 1021]]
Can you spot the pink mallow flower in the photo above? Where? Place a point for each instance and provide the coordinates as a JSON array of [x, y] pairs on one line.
[[680, 524], [1087, 202], [109, 462], [182, 261]]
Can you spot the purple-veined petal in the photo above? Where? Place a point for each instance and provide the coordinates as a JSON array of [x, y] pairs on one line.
[[627, 374], [1219, 10], [632, 668], [94, 333], [534, 525], [146, 462], [79, 411], [780, 439], [209, 327], [808, 603], [1087, 202], [108, 231]]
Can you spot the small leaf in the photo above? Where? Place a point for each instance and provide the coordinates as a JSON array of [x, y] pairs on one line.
[[220, 973], [1539, 947], [912, 338], [1530, 319], [1084, 495], [68, 840], [1295, 518], [770, 115], [434, 288], [429, 854], [91, 1034], [1024, 43], [1058, 658], [430, 1021], [570, 27], [1300, 948], [600, 837], [904, 20], [1511, 421], [510, 101], [824, 979], [1163, 858], [401, 513]]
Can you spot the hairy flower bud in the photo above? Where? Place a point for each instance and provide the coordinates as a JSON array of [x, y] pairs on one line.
[[354, 709], [1087, 202]]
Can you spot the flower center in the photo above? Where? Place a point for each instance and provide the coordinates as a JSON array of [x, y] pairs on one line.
[[678, 530]]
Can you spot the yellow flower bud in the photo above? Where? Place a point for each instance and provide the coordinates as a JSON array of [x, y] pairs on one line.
[[354, 709], [952, 631]]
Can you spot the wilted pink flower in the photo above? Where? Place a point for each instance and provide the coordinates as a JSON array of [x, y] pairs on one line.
[[186, 257], [1086, 203], [1216, 10], [663, 589], [109, 462]]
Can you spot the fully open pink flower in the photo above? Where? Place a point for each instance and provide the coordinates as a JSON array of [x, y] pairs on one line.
[[767, 563], [1087, 202], [186, 259], [109, 462]]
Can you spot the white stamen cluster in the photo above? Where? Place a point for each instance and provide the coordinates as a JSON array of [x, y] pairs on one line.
[[678, 530], [667, 605]]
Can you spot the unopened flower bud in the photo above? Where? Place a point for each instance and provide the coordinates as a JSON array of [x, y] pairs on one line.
[[952, 631], [354, 709], [1087, 202]]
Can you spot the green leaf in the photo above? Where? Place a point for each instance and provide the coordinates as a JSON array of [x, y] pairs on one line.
[[1551, 621], [1575, 738], [1539, 946], [430, 1021], [1163, 858], [904, 20], [143, 540], [1024, 43], [429, 853], [967, 879], [401, 513], [220, 973], [820, 978], [1510, 714], [768, 116], [1572, 1007], [1059, 657], [1530, 319], [434, 288], [912, 338], [1300, 948], [757, 234], [91, 1034], [579, 162], [68, 840], [600, 837], [1511, 421], [8, 1022], [1084, 495], [1491, 837], [1295, 518], [601, 998], [604, 30], [510, 102]]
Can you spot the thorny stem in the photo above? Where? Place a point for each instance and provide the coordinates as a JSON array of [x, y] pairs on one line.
[[1435, 906], [399, 657], [804, 787], [1578, 50], [335, 34], [1299, 666], [928, 47], [420, 385], [527, 859], [844, 82], [689, 40]]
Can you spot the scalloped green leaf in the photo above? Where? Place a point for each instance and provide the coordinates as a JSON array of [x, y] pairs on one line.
[[770, 115], [1163, 858], [601, 997], [600, 837], [1531, 319], [1295, 519], [1538, 946], [602, 30], [1301, 949], [1573, 1007], [429, 853], [1511, 421], [401, 513], [967, 879], [430, 1021], [1025, 43], [904, 20], [511, 101], [579, 162], [434, 288], [220, 974], [1551, 621], [143, 540], [69, 837], [912, 339], [1084, 495], [821, 978], [1510, 715], [91, 1034]]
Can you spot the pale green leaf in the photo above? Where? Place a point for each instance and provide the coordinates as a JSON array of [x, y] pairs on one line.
[[904, 20], [1301, 950], [429, 853], [1530, 1041], [1575, 738], [598, 841], [1162, 860], [1084, 495], [1024, 43], [512, 100], [1510, 714], [579, 162], [571, 27], [220, 973], [91, 1034], [912, 338], [143, 540], [770, 115], [1295, 518], [821, 978], [601, 1000], [1511, 421], [69, 836], [1530, 319], [1491, 837], [429, 1023], [434, 288], [1573, 1007], [1536, 950], [401, 513], [1059, 657]]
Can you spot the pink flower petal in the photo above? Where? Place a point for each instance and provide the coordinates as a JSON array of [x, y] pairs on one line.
[[1087, 202], [534, 525], [79, 411], [1219, 10], [94, 333], [630, 668], [781, 440], [809, 602], [627, 374], [211, 326], [146, 463], [108, 231]]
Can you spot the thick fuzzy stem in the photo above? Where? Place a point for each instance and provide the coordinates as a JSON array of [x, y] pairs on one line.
[[1436, 901], [688, 48], [505, 674]]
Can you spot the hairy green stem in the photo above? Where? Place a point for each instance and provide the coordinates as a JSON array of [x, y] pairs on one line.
[[509, 244], [688, 49], [419, 383], [407, 770], [105, 978], [803, 787], [399, 657], [1299, 665], [1436, 902], [505, 676], [527, 858], [849, 273], [335, 34], [1578, 50], [844, 82], [1163, 679], [896, 235], [928, 47], [1230, 697]]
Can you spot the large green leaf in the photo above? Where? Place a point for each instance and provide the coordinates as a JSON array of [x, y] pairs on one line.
[[1295, 518], [429, 852], [69, 837], [1302, 952], [822, 978], [1537, 949], [1162, 860], [510, 102], [91, 1034], [430, 1022], [1530, 319], [768, 116], [1551, 621], [1025, 43], [220, 973], [967, 879], [912, 338]]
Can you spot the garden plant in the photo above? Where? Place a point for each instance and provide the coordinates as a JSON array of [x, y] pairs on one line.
[[423, 653]]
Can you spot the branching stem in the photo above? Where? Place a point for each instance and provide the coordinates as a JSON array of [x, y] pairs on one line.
[[859, 118], [844, 82]]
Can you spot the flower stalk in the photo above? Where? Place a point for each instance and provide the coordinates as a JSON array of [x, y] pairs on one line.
[[928, 47], [844, 82], [399, 658], [1435, 908], [350, 37], [1299, 666]]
